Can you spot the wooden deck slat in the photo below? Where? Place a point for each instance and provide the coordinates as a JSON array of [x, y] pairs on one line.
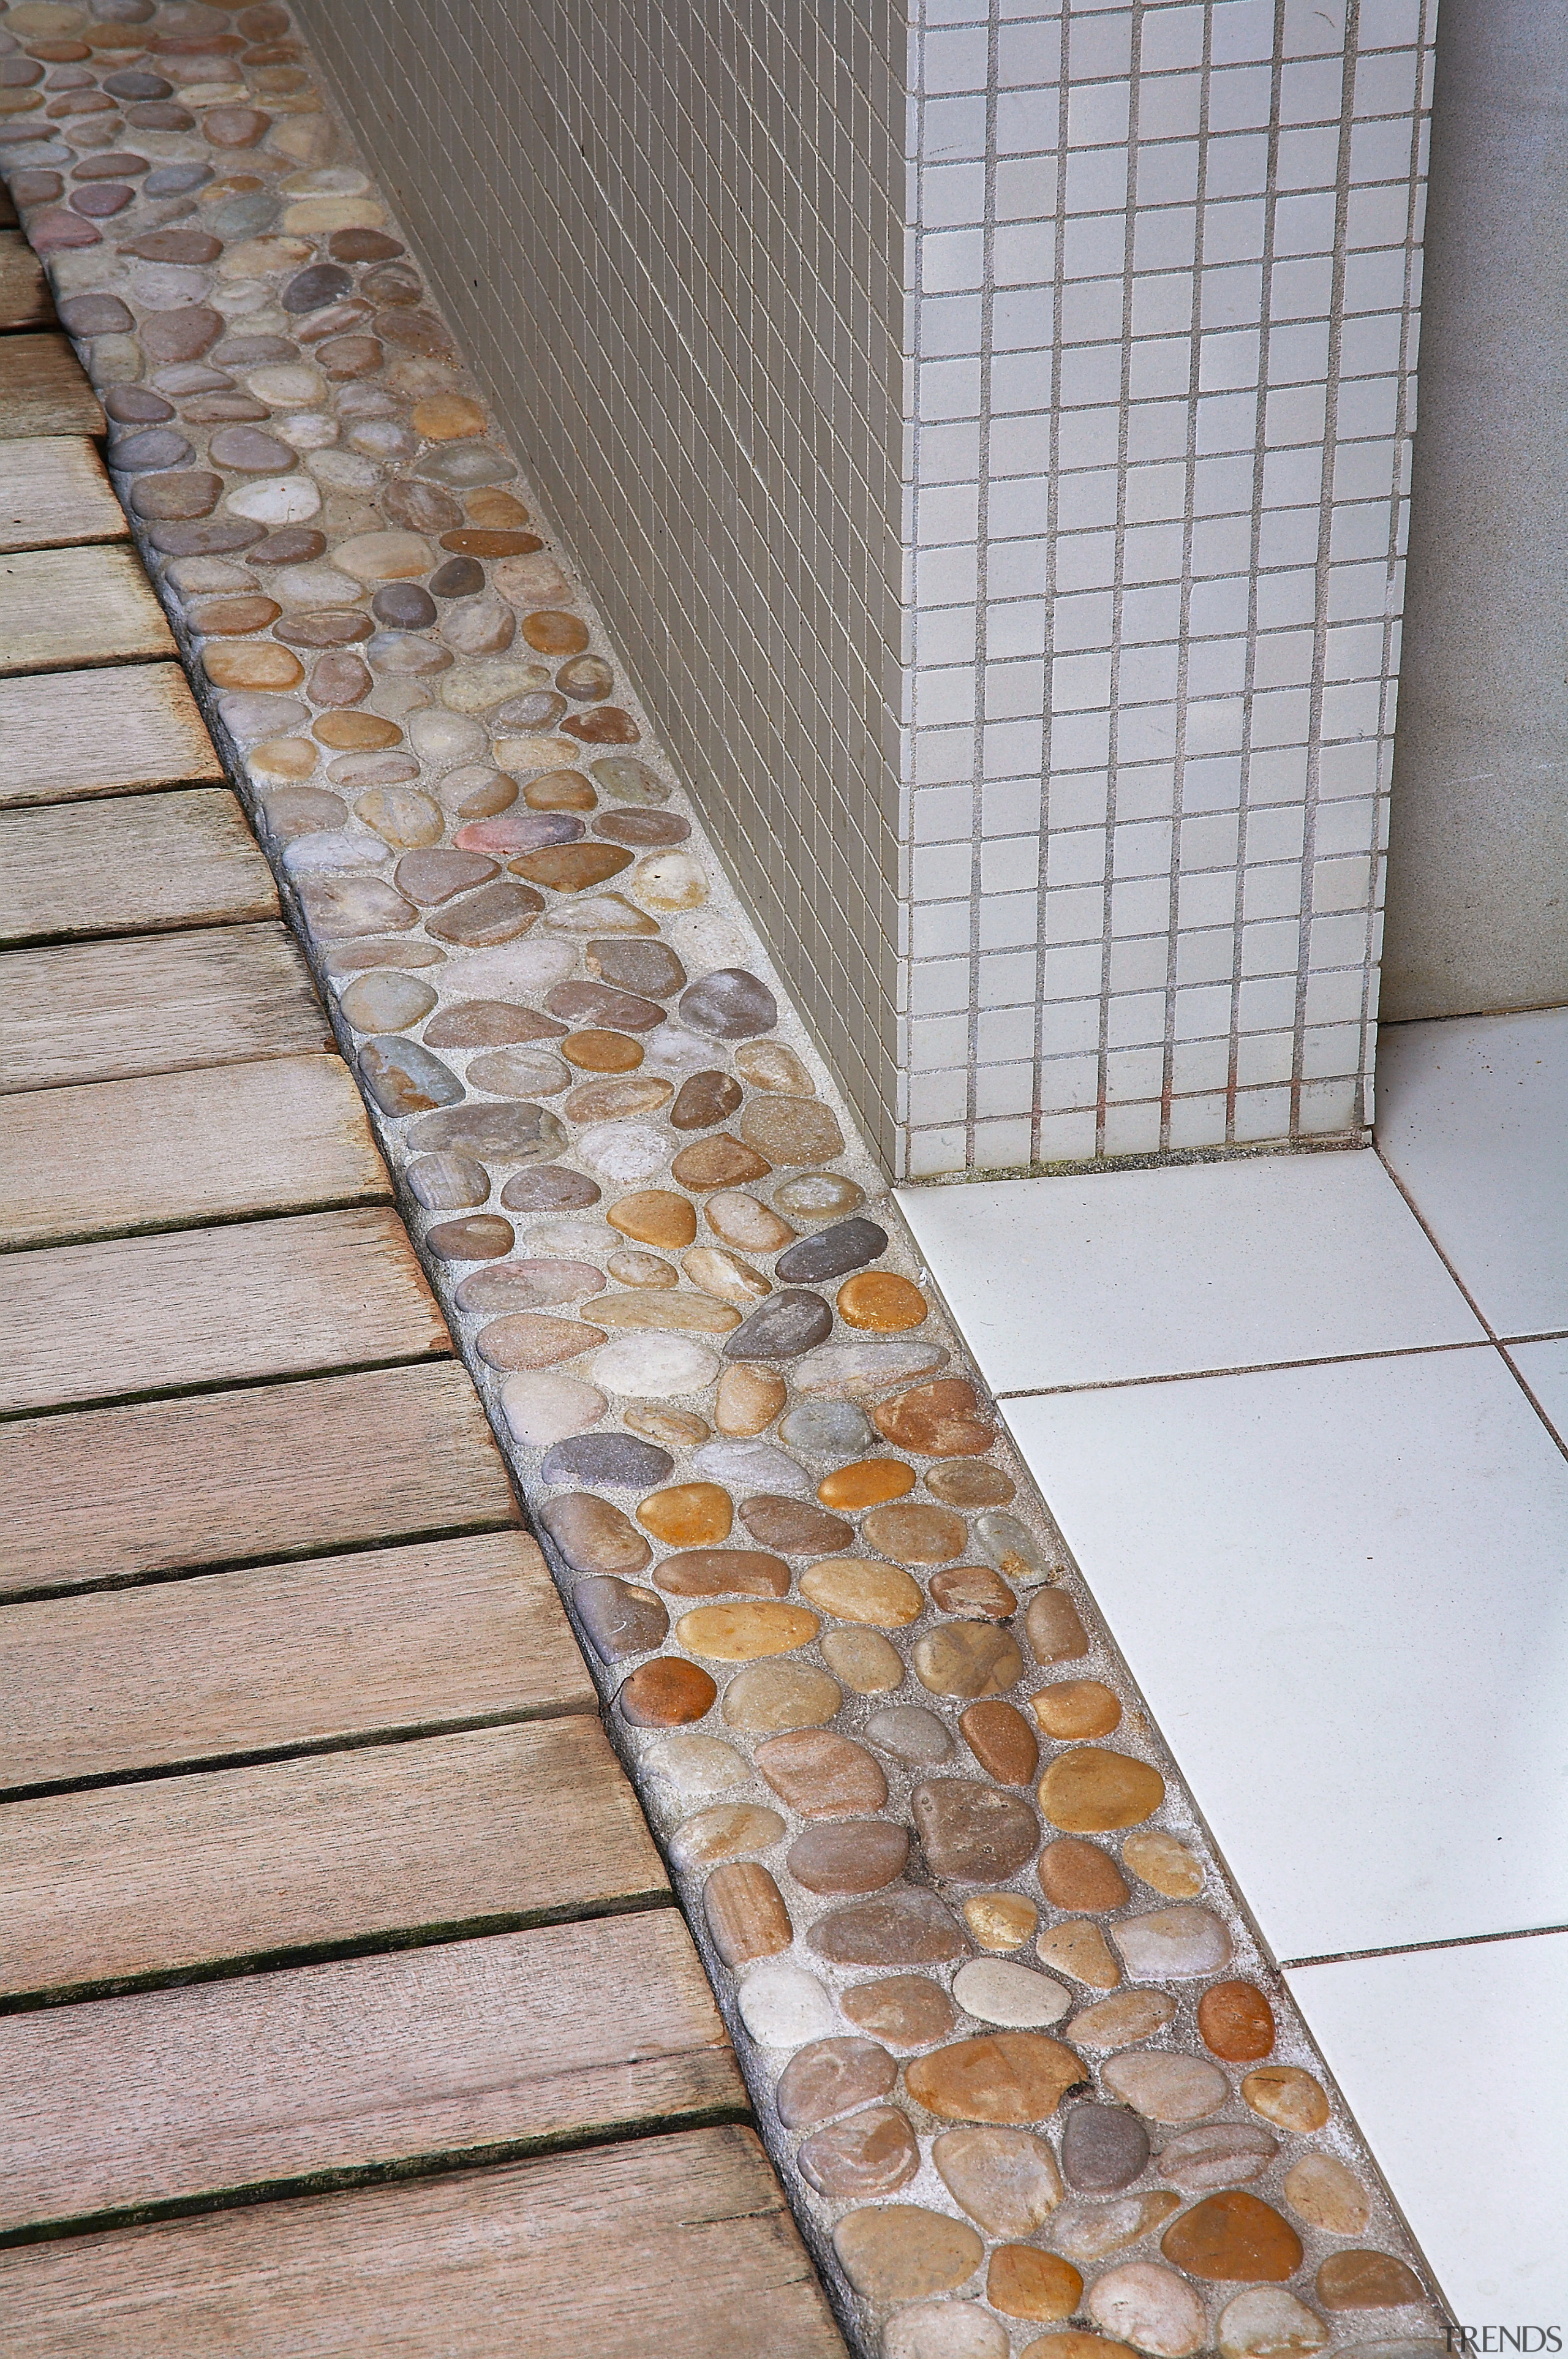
[[132, 864], [44, 389], [229, 1478], [129, 730], [566, 2030], [55, 490], [375, 1845], [336, 1650], [676, 2247], [279, 1134], [25, 300], [131, 1316], [63, 608], [102, 1011]]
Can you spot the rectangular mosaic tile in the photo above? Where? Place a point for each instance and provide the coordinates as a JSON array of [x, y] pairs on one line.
[[1008, 2031]]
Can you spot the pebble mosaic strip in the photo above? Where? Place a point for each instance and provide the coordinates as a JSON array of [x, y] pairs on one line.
[[1030, 2081]]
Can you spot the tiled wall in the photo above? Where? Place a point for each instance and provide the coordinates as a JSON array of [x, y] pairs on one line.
[[671, 238], [986, 432], [1168, 267]]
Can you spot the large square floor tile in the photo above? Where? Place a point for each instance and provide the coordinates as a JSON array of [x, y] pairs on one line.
[[1472, 1114], [1544, 1367], [1205, 1266], [1455, 2064], [1341, 1590]]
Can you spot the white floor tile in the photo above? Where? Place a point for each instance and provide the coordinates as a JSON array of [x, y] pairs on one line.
[[1340, 1588], [1473, 1114], [1455, 2064], [1544, 1367], [1230, 1265]]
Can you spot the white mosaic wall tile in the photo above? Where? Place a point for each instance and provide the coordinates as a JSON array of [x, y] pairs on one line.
[[1163, 326], [1038, 690]]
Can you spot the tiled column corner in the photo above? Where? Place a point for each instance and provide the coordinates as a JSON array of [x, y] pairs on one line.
[[1011, 2037], [1164, 337]]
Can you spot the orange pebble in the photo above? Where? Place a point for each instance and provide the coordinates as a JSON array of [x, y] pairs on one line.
[[869, 1483], [876, 1299]]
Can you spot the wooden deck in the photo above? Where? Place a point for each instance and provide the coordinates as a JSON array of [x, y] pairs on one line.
[[342, 2001]]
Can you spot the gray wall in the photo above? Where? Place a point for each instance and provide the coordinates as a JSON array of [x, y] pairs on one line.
[[670, 239], [1478, 854]]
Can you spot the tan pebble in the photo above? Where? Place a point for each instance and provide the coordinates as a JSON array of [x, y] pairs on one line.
[[821, 1774], [447, 418], [669, 881], [791, 1130], [1163, 2088], [688, 1514], [967, 1658], [914, 1534], [616, 1101], [855, 1589], [749, 1397], [602, 1053], [962, 1484], [973, 1592], [1001, 1740], [717, 1162], [566, 790], [1267, 2322], [725, 1276], [402, 814], [629, 1267], [282, 757], [869, 1483], [1074, 1709], [355, 733], [230, 663], [1052, 1627], [384, 556], [864, 1660], [655, 1216], [1122, 2021], [1289, 2098], [1074, 1874], [1007, 2180], [1237, 2022], [899, 2252], [780, 1696], [726, 1830], [677, 1428], [745, 1914], [1000, 1920], [1165, 1863], [1092, 1791], [881, 1301], [1081, 1951], [768, 1065], [940, 1421], [1021, 2281], [906, 2010], [741, 1634], [1365, 2281], [741, 1221], [669, 1307], [1071, 2344], [1012, 2077], [1327, 2195]]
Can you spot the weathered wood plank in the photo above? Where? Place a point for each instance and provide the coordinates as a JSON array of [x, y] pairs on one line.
[[44, 389], [130, 865], [63, 608], [564, 2031], [129, 730], [229, 1478], [279, 1134], [25, 300], [102, 1011], [54, 491], [128, 1316], [655, 2247], [374, 1845], [389, 1641]]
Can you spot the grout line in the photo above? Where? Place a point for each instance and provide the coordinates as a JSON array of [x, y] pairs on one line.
[[1420, 1948], [1245, 1368]]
